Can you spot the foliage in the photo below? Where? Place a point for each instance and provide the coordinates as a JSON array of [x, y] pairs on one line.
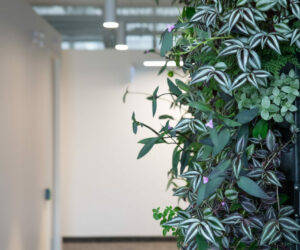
[[237, 97]]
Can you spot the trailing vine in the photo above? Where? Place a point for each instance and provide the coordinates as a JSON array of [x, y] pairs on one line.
[[237, 99]]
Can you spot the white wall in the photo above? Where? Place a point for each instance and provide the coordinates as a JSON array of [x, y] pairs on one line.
[[105, 190], [26, 128]]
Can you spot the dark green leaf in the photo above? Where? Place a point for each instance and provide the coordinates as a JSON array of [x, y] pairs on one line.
[[206, 190], [250, 187], [201, 242], [147, 147], [182, 85], [261, 129], [175, 161], [173, 88], [271, 141], [154, 101], [166, 43], [164, 117], [222, 140], [246, 116], [200, 106]]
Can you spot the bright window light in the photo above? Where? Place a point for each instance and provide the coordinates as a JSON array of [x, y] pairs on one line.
[[59, 10], [121, 47], [139, 42], [169, 11], [111, 25], [139, 26], [88, 45], [134, 11], [160, 63]]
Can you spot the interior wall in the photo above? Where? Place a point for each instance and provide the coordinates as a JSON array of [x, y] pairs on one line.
[[106, 191], [26, 128]]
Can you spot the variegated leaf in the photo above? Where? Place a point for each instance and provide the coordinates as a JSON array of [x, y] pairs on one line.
[[215, 223], [248, 206], [273, 43], [242, 58], [256, 222], [207, 233], [239, 81], [234, 18], [256, 173], [246, 229], [275, 238], [237, 167], [232, 219], [230, 50], [282, 28], [290, 236], [295, 9], [268, 232], [286, 211], [191, 232], [173, 222], [288, 224], [271, 177], [241, 2], [265, 5], [231, 194]]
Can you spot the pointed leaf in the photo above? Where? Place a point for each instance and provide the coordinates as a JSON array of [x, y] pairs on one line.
[[250, 187]]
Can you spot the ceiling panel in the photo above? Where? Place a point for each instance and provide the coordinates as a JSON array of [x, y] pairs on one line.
[[131, 3]]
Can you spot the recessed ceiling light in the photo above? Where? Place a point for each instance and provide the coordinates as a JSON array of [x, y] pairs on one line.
[[121, 47], [111, 25], [110, 21]]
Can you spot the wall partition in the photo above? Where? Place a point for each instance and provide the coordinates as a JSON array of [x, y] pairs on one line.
[[106, 191]]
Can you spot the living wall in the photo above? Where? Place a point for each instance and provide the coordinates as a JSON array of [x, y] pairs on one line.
[[237, 103]]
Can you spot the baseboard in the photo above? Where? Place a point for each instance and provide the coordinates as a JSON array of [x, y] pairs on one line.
[[118, 239]]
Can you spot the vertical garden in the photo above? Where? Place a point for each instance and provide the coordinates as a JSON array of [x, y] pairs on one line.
[[237, 103]]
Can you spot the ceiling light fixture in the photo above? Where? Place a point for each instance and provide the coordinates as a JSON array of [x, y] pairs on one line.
[[110, 15], [160, 63], [121, 38]]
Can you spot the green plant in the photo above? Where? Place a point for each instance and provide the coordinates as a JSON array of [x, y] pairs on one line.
[[228, 144]]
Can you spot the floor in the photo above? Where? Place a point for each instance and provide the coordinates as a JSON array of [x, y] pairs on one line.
[[121, 246]]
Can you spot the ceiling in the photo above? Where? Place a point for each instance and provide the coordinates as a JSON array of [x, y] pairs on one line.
[[131, 3], [143, 20]]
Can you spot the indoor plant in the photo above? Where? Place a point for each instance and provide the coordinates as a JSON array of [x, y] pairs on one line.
[[239, 93]]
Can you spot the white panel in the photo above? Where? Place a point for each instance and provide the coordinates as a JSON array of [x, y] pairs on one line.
[[106, 191]]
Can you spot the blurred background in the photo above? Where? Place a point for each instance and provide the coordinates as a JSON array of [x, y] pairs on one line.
[[69, 178]]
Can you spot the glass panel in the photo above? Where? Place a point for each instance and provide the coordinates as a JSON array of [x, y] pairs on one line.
[[134, 11], [139, 42], [57, 10]]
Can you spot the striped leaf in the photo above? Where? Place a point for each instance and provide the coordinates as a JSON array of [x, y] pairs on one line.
[[290, 236], [273, 43], [173, 222], [242, 59], [207, 233], [232, 219], [295, 9], [288, 224], [237, 167], [231, 194], [241, 2], [191, 232], [234, 18], [215, 223], [272, 178], [268, 232], [282, 28], [286, 211], [265, 5], [245, 226], [248, 206]]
